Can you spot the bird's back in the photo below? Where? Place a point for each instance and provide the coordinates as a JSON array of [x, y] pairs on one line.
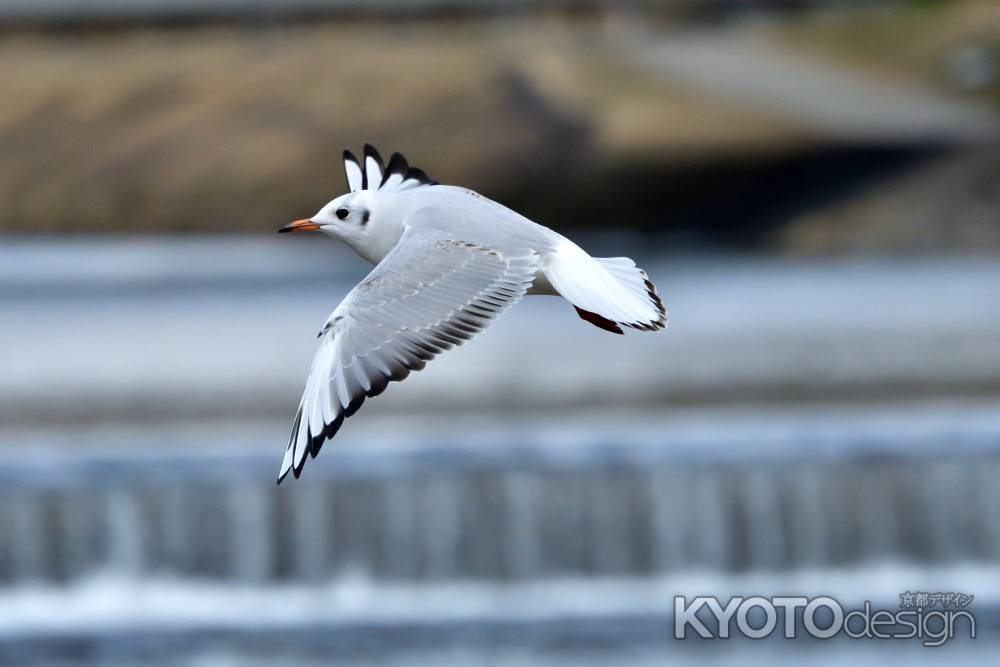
[[473, 218]]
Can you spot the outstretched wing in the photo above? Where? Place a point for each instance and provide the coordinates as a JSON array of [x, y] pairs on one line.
[[431, 292]]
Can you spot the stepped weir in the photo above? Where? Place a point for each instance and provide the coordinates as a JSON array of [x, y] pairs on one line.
[[509, 513]]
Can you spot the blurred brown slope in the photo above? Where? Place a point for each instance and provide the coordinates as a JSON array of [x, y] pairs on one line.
[[219, 129], [808, 131]]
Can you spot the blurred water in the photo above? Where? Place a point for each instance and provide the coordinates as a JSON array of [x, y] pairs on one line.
[[647, 496], [536, 497], [186, 623], [153, 329], [499, 541]]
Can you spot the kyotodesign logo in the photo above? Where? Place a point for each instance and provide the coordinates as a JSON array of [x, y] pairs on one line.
[[932, 618]]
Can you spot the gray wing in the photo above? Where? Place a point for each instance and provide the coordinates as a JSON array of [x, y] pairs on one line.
[[430, 293]]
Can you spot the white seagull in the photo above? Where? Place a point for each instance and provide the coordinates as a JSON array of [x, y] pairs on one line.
[[447, 261]]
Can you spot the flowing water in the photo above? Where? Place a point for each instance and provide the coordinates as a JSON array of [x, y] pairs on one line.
[[801, 428], [611, 494]]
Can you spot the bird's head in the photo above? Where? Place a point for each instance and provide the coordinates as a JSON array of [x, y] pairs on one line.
[[348, 216]]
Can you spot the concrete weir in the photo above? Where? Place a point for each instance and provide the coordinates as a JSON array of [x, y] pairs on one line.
[[525, 511]]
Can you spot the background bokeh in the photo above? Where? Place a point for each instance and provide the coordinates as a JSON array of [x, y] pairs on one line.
[[814, 186]]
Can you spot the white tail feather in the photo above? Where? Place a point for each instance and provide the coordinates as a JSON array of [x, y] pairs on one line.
[[612, 288]]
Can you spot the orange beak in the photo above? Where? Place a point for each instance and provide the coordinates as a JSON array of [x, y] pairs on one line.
[[299, 226]]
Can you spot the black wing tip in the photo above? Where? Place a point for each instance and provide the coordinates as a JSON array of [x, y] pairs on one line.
[[661, 322], [398, 160], [370, 151], [421, 176], [314, 443], [317, 441], [397, 164]]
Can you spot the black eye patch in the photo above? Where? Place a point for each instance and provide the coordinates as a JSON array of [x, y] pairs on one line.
[[364, 218], [342, 213]]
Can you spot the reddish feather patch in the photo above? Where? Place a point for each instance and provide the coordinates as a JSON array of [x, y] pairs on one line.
[[598, 321]]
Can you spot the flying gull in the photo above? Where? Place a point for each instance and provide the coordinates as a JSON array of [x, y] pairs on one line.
[[447, 261]]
